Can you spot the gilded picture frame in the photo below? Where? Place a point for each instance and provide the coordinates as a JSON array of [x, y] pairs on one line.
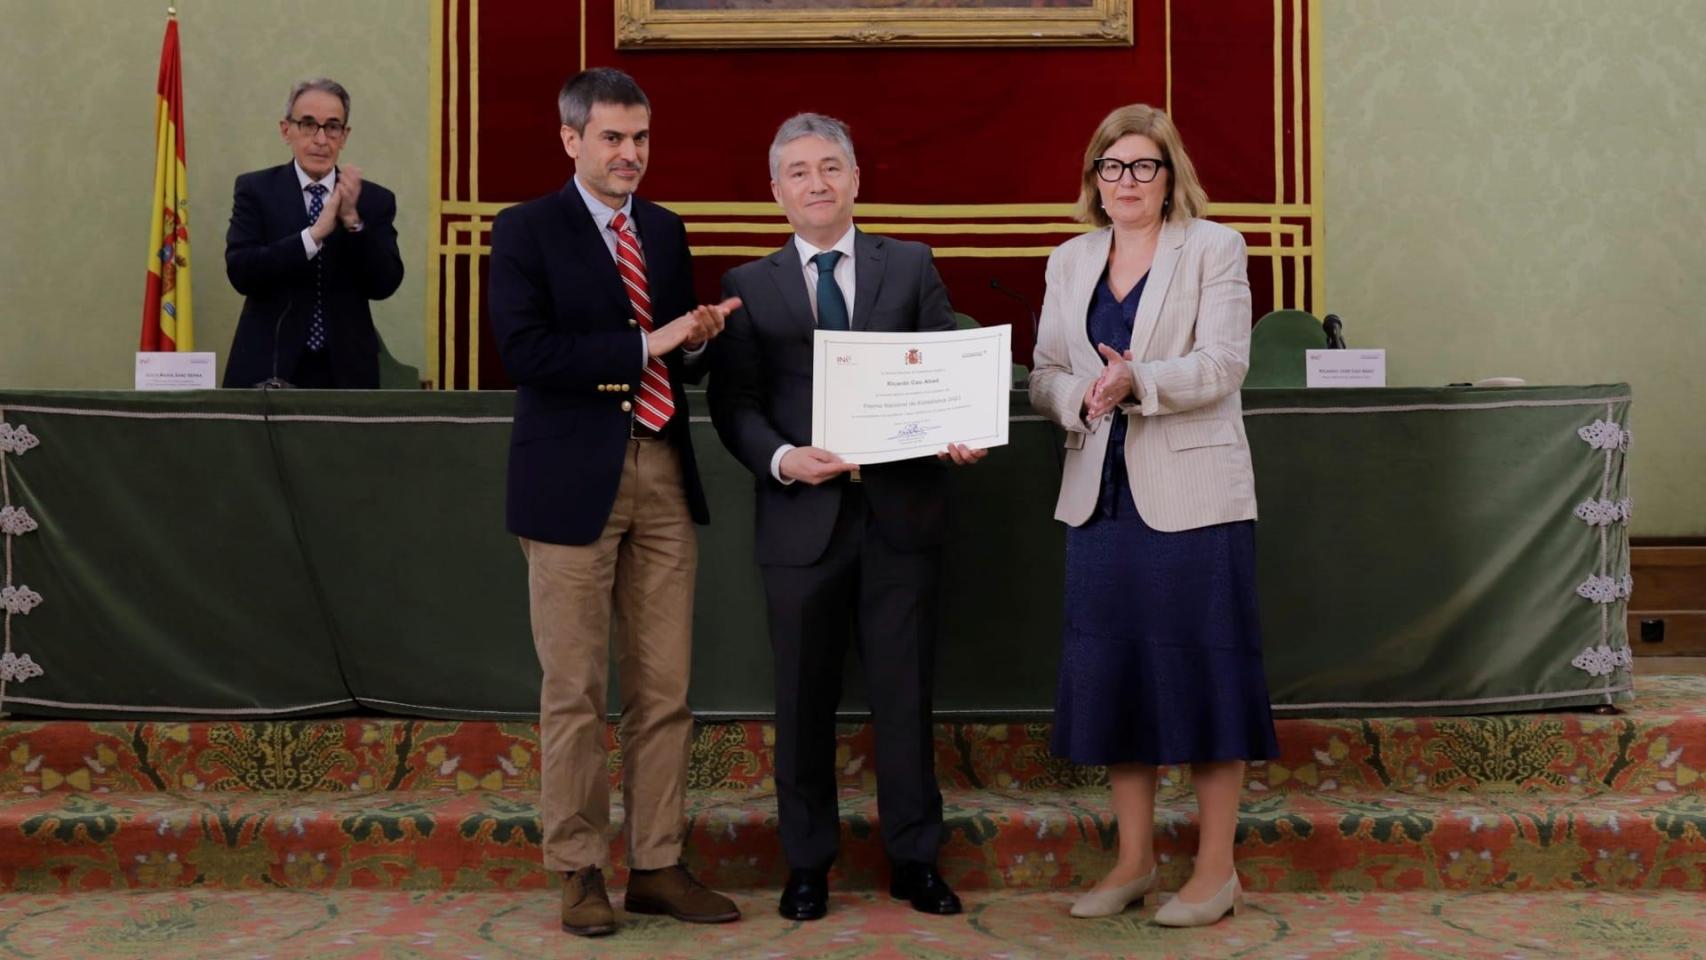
[[675, 24]]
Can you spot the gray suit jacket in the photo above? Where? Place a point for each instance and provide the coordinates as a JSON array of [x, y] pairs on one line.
[[761, 394], [1185, 449]]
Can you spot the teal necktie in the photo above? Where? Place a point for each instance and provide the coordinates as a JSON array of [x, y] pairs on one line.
[[831, 306]]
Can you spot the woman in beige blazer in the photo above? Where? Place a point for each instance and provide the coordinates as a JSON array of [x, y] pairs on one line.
[[1144, 341]]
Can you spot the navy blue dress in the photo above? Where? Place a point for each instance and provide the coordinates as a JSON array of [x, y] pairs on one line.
[[1161, 655]]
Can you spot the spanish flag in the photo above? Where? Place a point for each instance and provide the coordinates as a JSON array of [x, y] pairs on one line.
[[166, 318]]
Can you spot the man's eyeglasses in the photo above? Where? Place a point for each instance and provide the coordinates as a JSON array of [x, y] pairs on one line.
[[335, 129], [1143, 171]]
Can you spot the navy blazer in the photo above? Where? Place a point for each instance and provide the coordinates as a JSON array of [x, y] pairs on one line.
[[564, 329], [265, 261], [761, 395]]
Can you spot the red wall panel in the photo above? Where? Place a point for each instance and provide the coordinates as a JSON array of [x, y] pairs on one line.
[[932, 126]]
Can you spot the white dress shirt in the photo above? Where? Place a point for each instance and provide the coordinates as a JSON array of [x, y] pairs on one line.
[[844, 278], [843, 269], [602, 214]]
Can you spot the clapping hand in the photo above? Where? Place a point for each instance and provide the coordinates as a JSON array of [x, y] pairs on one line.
[[709, 320], [692, 328], [330, 210], [345, 195], [1112, 387]]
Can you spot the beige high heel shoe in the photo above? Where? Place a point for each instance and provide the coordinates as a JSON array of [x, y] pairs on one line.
[[1177, 913], [1114, 900]]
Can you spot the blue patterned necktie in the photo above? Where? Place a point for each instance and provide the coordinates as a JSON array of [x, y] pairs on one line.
[[831, 305], [317, 323]]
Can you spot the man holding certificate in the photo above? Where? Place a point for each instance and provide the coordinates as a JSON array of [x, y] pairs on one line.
[[845, 550]]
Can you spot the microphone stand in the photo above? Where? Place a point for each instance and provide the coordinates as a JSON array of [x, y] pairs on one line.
[[275, 382], [997, 285]]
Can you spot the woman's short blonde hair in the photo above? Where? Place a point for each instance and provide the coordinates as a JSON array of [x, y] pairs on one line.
[[1187, 200]]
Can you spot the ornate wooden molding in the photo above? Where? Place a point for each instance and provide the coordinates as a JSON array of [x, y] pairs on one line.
[[663, 24]]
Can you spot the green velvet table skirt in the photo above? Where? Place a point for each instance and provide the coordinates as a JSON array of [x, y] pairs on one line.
[[239, 554]]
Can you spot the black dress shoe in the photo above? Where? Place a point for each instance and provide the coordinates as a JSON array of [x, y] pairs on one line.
[[920, 885], [806, 897]]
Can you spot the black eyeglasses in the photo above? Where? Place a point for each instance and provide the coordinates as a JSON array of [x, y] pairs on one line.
[[335, 129], [1144, 170]]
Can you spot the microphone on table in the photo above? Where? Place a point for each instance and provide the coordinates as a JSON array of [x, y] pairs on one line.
[[997, 285], [274, 382], [1335, 331]]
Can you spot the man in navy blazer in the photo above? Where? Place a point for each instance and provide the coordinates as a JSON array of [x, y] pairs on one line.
[[591, 300], [309, 245]]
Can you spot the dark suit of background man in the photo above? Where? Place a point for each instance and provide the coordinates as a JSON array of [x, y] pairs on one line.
[[843, 552], [309, 245], [603, 492]]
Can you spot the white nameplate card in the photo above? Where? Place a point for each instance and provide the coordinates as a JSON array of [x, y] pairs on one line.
[[1345, 368], [176, 371]]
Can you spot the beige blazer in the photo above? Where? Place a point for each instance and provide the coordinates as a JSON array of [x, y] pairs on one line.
[[1185, 449]]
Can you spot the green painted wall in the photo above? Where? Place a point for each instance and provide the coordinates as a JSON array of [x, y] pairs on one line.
[[79, 81], [1514, 187], [1518, 187]]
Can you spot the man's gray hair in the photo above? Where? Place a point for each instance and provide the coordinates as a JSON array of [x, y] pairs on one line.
[[322, 84], [809, 125], [598, 85]]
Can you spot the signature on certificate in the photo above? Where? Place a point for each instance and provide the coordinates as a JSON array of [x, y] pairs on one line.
[[912, 432]]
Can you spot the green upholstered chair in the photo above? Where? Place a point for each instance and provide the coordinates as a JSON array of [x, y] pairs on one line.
[[394, 374], [1276, 349]]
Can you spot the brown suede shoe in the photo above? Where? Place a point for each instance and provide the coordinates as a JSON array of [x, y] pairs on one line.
[[586, 907], [673, 891]]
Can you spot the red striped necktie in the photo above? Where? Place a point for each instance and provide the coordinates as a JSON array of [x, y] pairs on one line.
[[656, 404]]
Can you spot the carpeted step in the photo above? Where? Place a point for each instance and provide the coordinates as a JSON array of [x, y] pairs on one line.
[[1658, 746], [1334, 839]]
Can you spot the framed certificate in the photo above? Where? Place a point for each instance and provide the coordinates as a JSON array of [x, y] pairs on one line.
[[878, 397]]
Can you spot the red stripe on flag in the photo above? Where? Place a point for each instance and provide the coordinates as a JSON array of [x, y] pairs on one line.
[[154, 339], [171, 83]]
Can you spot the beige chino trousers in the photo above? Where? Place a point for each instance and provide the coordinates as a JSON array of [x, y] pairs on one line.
[[640, 569]]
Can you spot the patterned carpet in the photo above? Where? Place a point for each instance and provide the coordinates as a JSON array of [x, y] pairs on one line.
[[344, 925], [1505, 803], [1294, 842]]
